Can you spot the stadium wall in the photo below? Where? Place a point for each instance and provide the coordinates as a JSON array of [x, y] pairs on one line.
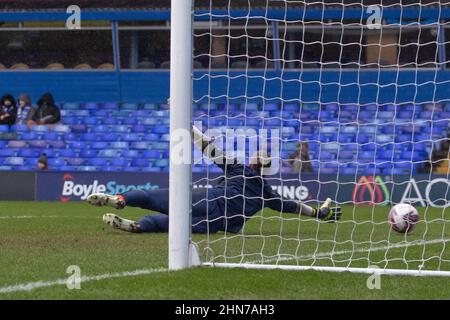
[[424, 190], [346, 86]]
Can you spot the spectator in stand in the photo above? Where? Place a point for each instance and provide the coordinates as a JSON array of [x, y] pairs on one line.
[[47, 112], [299, 159], [42, 162], [8, 110], [25, 111], [440, 156]]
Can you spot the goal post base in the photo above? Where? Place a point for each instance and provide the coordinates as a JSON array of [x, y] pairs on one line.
[[378, 271]]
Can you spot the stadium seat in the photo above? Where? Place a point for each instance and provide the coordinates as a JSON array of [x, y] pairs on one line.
[[139, 162], [161, 163], [119, 145], [130, 154], [14, 161], [16, 144], [98, 162], [100, 129], [75, 161], [141, 145], [151, 154], [108, 121], [28, 153], [108, 153], [40, 129], [50, 136], [129, 106], [89, 137], [70, 106], [88, 153], [55, 163], [28, 136], [119, 162], [111, 106], [56, 144], [120, 129], [38, 144], [69, 153], [18, 128], [61, 129], [130, 137]]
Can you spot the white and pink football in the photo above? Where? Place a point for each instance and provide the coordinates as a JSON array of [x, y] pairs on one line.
[[403, 218]]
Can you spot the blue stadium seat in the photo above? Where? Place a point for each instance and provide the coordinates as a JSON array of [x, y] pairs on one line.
[[56, 163], [50, 136], [77, 145], [149, 106], [100, 129], [139, 129], [108, 137], [119, 162], [89, 137], [151, 154], [28, 153], [61, 129], [140, 145], [79, 128], [161, 163], [70, 121], [111, 106], [98, 162], [91, 106], [16, 144], [88, 153], [51, 153], [75, 161], [130, 121], [7, 153], [69, 153], [70, 106], [14, 161], [101, 113], [57, 144], [18, 128], [130, 137], [70, 137], [90, 121], [160, 145], [86, 168], [120, 129], [129, 106], [29, 136], [108, 121], [139, 162], [119, 145], [38, 144], [109, 153], [130, 154], [40, 129], [99, 145], [82, 113]]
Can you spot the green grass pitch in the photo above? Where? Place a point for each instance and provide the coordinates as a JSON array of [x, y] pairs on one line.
[[38, 241]]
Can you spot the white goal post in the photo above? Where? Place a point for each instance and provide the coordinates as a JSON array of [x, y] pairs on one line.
[[360, 98]]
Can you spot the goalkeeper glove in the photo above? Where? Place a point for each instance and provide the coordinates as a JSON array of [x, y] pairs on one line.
[[328, 213]]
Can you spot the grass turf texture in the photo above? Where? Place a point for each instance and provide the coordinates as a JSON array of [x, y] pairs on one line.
[[38, 241]]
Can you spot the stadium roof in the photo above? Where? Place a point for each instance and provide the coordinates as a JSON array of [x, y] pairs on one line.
[[165, 4]]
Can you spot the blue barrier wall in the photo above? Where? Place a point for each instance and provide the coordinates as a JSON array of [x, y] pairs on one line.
[[308, 86]]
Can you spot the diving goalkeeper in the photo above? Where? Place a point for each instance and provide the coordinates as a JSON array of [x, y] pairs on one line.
[[240, 194]]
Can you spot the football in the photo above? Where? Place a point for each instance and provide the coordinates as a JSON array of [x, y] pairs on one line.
[[403, 218]]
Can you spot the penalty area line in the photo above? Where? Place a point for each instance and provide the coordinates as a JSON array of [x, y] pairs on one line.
[[63, 281]]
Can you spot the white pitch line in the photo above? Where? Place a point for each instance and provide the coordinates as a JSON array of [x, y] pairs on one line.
[[40, 217], [45, 284], [362, 250]]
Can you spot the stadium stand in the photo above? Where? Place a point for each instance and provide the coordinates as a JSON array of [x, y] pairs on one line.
[[133, 137]]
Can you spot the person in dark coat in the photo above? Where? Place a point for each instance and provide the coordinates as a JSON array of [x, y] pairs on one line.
[[47, 112], [8, 110]]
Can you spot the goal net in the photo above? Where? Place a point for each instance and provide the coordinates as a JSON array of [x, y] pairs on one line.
[[353, 103]]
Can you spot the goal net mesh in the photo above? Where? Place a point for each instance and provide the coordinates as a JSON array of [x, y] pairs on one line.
[[357, 98]]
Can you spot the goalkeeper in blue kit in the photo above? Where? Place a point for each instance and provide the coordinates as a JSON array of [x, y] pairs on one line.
[[240, 194]]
